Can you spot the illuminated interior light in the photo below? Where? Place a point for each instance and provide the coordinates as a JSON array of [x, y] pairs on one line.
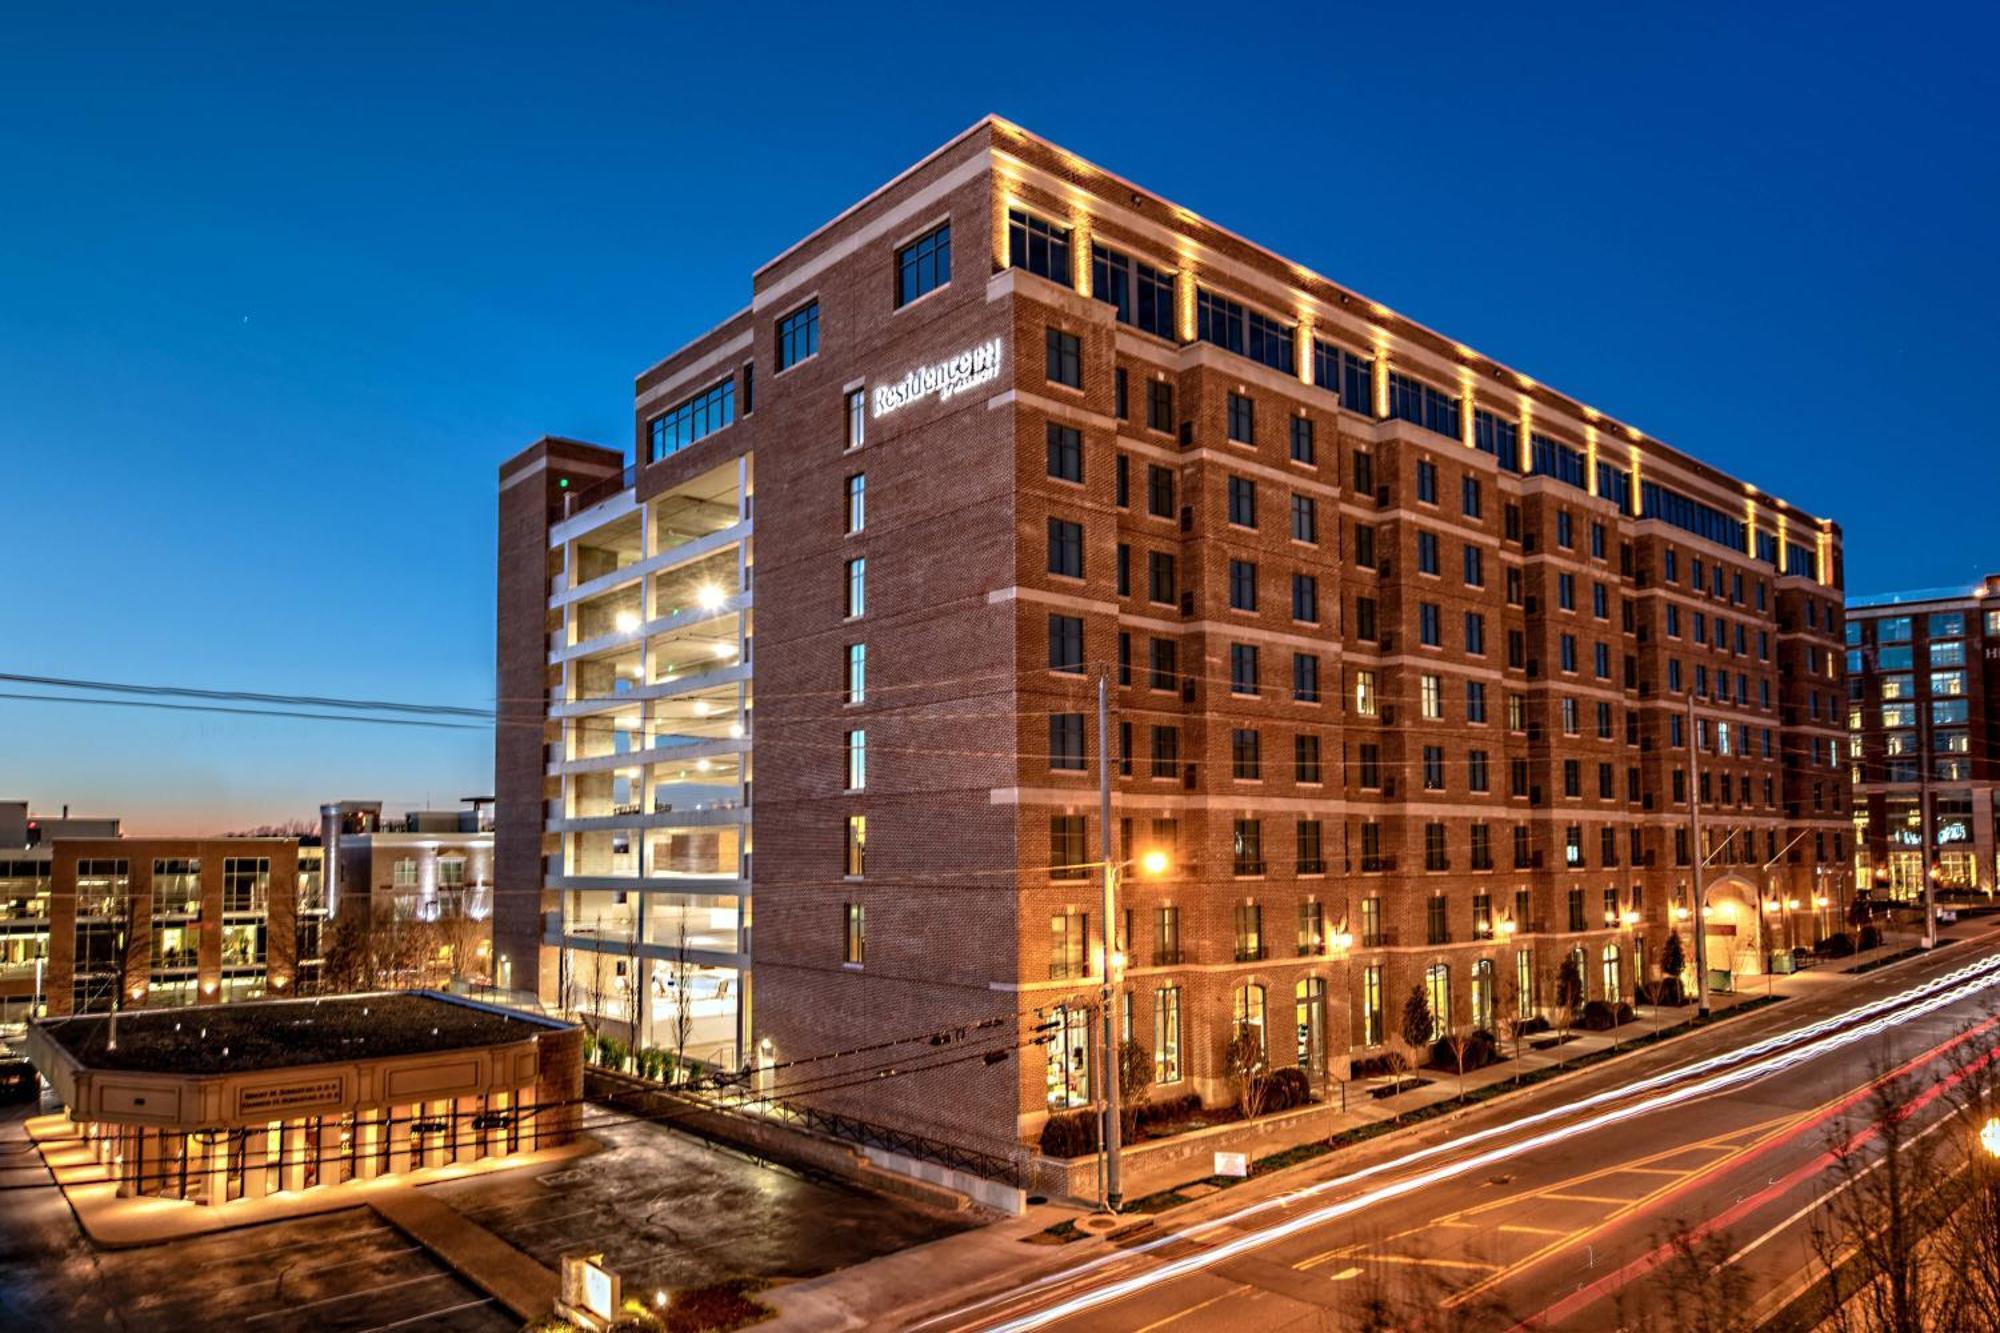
[[736, 731], [701, 708], [710, 597], [627, 622], [723, 651]]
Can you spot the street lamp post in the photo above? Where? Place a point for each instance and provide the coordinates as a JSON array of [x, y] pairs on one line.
[[1154, 863]]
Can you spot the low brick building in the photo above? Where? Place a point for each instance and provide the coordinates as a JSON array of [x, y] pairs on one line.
[[1423, 674]]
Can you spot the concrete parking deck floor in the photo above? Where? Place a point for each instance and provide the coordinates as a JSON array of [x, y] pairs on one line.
[[346, 1271], [670, 1211]]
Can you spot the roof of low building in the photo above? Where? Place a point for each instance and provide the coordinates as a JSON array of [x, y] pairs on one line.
[[248, 1036]]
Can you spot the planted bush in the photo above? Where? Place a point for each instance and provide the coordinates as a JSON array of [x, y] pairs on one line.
[[1070, 1134], [1597, 1016]]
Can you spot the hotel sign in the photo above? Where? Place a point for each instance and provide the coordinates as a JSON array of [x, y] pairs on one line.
[[944, 379]]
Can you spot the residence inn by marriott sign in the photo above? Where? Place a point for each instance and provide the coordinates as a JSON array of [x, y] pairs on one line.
[[946, 379]]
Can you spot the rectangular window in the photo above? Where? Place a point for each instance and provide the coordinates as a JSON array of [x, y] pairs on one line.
[[1305, 678], [1159, 491], [1475, 633], [1247, 846], [1167, 1034], [1243, 502], [1068, 854], [1065, 448], [1159, 405], [1469, 497], [857, 418], [1302, 440], [1160, 577], [857, 760], [1242, 585], [1430, 697], [1305, 599], [1066, 742], [1305, 759], [1427, 481], [857, 673], [1245, 755], [798, 335], [924, 265], [1066, 644], [857, 587], [1414, 401], [1065, 548], [1242, 419], [693, 419], [857, 846], [1040, 247], [854, 934], [1166, 752], [1242, 668], [1305, 519], [857, 503], [1164, 664], [1475, 701], [1142, 295], [1069, 945], [1065, 359]]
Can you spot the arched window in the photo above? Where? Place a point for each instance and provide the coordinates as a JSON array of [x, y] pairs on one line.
[[1482, 995], [1250, 1013], [1310, 1002], [1437, 983]]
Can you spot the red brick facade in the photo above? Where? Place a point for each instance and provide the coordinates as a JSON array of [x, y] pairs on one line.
[[961, 881]]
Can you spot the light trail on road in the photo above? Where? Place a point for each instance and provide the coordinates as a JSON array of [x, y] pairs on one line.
[[1771, 1056], [1985, 967]]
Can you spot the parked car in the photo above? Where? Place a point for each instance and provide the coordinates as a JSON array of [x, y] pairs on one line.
[[18, 1080]]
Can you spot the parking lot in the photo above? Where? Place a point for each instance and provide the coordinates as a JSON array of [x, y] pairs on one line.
[[667, 1211], [672, 1211], [347, 1271]]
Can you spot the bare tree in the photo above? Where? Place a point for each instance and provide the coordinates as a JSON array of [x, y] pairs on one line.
[[1245, 1061], [1697, 1289], [683, 1001], [1869, 1233], [1458, 1041]]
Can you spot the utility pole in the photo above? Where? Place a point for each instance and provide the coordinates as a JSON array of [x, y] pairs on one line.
[[1113, 1192], [1925, 831], [1700, 868]]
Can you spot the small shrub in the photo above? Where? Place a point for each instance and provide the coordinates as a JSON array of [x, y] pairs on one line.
[[1479, 1052], [1529, 1027], [1296, 1080], [1837, 945], [1597, 1016], [1070, 1134], [1625, 1014], [1871, 936]]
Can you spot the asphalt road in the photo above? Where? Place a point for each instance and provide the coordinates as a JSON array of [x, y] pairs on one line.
[[1552, 1211]]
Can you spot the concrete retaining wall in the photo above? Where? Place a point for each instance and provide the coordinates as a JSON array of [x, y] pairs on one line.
[[922, 1182]]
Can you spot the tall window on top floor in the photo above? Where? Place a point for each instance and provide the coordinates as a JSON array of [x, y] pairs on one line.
[[798, 335], [923, 265], [1142, 295], [1040, 247]]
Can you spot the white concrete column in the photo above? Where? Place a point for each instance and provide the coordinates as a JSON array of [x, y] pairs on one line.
[[218, 1171], [399, 1139], [292, 1148], [368, 1141], [256, 1157]]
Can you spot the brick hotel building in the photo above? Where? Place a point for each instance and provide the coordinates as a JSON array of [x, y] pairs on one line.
[[1417, 663], [1923, 681]]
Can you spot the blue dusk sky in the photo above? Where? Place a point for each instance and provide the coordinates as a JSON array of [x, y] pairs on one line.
[[280, 286]]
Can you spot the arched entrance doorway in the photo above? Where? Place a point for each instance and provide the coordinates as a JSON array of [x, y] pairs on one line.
[[1734, 927]]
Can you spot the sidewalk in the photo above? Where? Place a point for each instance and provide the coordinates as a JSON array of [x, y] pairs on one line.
[[894, 1290], [470, 1250]]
